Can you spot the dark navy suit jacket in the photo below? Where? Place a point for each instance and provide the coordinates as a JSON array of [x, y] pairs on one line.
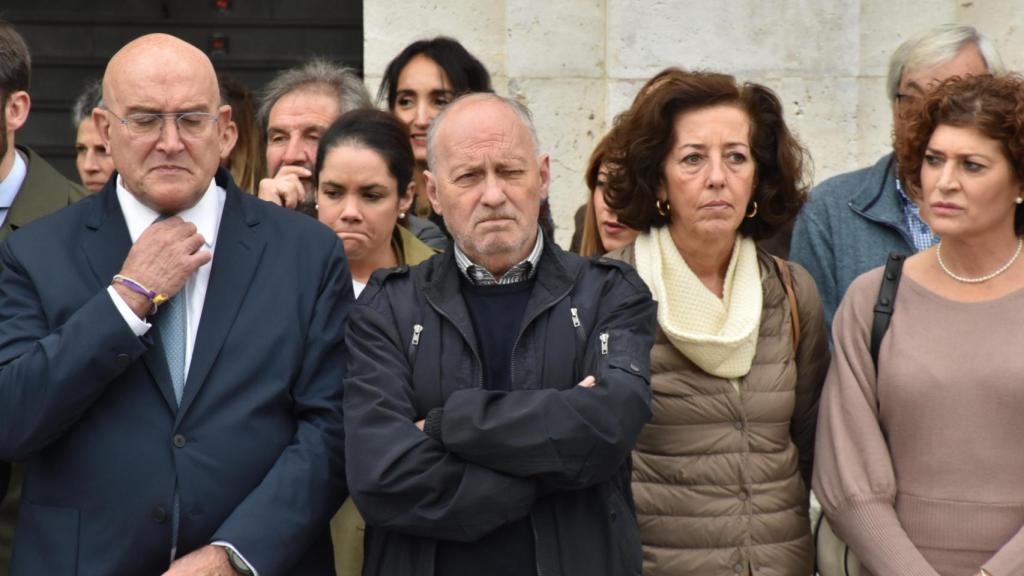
[[256, 447]]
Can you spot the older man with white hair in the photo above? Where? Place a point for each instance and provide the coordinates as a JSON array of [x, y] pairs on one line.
[[494, 392], [854, 220]]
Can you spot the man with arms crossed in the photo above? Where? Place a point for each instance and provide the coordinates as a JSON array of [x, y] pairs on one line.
[[494, 392]]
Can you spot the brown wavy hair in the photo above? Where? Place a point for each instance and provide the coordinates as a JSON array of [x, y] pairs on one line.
[[992, 105], [644, 135], [590, 242]]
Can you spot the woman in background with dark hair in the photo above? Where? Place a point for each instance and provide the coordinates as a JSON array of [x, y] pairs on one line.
[[704, 168], [364, 166], [919, 463], [424, 78]]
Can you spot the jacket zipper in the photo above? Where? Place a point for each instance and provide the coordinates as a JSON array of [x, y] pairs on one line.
[[604, 343], [536, 313], [414, 344], [581, 342]]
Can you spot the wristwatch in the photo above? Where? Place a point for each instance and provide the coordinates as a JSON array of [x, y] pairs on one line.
[[237, 563]]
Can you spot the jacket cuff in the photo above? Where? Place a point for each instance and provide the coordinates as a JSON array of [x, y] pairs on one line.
[[432, 423]]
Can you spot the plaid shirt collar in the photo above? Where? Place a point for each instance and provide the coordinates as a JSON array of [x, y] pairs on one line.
[[920, 233], [480, 276]]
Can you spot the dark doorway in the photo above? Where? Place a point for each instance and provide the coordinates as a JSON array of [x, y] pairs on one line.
[[71, 41]]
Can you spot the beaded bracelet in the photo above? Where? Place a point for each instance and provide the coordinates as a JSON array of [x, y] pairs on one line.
[[155, 298]]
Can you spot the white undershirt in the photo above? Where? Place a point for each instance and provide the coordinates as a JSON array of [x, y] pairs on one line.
[[206, 216]]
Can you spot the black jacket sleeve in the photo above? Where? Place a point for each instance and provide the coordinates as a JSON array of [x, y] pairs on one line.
[[564, 435], [399, 477]]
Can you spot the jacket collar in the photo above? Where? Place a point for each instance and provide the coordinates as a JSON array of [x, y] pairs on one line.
[[556, 273], [439, 281], [878, 199], [43, 191]]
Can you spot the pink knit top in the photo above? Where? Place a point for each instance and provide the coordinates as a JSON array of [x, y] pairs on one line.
[[922, 471]]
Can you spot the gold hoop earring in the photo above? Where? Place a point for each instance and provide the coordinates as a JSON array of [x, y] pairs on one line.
[[663, 208], [753, 212]]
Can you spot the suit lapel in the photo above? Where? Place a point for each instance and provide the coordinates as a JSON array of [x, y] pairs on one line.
[[105, 249], [235, 260]]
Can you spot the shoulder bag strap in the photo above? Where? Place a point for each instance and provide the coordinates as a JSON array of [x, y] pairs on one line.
[[794, 312], [884, 304]]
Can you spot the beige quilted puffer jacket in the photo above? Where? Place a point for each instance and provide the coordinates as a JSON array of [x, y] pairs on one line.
[[720, 477]]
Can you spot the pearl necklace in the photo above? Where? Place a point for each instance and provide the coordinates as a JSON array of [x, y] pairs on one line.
[[980, 279]]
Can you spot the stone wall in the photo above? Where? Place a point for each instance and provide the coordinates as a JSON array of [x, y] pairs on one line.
[[578, 63]]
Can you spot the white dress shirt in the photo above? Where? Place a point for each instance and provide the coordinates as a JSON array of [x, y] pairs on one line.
[[11, 184], [206, 217]]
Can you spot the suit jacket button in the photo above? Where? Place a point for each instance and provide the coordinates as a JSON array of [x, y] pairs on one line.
[[159, 515], [179, 441], [121, 361]]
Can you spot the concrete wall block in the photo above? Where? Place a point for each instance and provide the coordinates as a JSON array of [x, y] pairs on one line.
[[389, 27], [564, 39], [821, 113], [885, 24], [1001, 21], [740, 36], [620, 96], [874, 121], [568, 116]]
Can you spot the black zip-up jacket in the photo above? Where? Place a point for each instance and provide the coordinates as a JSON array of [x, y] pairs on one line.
[[549, 449]]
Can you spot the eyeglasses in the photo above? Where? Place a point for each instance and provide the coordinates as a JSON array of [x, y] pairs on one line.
[[149, 125], [906, 98]]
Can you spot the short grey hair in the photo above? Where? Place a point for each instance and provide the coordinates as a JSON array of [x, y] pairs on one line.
[[937, 46], [520, 110], [316, 74], [91, 97]]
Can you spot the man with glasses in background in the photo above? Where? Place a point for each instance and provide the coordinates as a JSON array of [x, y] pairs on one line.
[[854, 220], [172, 376]]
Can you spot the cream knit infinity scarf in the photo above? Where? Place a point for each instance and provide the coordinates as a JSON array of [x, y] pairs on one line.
[[718, 335]]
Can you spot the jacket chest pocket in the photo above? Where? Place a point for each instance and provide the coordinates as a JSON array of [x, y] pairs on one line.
[[425, 354]]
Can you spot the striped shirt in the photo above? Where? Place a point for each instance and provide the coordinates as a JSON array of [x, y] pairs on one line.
[[480, 276]]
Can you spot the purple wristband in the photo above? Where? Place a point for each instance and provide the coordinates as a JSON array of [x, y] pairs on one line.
[[156, 299]]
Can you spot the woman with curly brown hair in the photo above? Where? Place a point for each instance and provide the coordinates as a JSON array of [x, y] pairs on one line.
[[705, 168], [919, 463]]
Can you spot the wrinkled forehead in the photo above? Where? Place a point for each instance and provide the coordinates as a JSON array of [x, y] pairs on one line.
[[484, 129], [307, 105]]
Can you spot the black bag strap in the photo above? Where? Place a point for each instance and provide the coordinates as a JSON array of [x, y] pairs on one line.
[[886, 300]]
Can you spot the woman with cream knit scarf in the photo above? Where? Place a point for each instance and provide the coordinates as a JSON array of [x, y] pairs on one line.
[[704, 168]]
